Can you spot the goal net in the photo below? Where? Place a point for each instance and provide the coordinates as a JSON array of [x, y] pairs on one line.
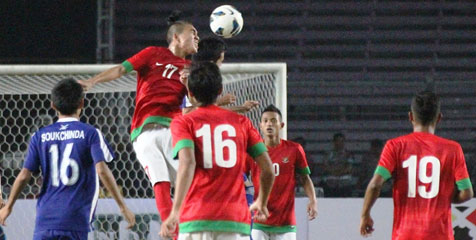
[[25, 107]]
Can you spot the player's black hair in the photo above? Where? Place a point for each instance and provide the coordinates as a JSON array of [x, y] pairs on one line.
[[272, 108], [209, 50], [175, 25], [338, 135], [67, 95], [205, 82], [426, 107]]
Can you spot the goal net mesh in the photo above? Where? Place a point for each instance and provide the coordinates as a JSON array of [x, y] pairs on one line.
[[25, 107]]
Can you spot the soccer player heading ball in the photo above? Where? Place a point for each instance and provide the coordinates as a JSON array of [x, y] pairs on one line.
[[159, 96], [429, 172], [212, 145], [71, 155]]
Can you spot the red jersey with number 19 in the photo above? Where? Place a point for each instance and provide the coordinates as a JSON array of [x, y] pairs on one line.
[[159, 90], [221, 139], [425, 169], [288, 159]]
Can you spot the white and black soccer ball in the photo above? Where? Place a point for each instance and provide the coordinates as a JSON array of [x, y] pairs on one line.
[[226, 21]]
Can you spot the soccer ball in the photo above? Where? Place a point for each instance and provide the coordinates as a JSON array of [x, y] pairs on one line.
[[226, 21]]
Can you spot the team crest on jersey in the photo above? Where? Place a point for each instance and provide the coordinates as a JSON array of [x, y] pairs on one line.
[[285, 160], [64, 127]]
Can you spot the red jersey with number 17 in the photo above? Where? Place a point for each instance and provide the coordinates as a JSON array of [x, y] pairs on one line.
[[216, 200], [425, 169], [288, 159], [159, 90]]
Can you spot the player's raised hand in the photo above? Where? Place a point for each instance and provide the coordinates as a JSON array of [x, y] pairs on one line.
[[86, 84], [249, 104], [4, 213], [184, 73], [261, 213], [2, 203], [366, 226], [226, 99], [167, 229], [129, 216], [312, 210]]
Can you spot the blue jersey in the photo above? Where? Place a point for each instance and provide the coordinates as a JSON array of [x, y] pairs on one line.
[[67, 152]]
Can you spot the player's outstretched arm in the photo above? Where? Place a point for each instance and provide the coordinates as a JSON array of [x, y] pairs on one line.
[[110, 183], [462, 196], [226, 99], [311, 194], [371, 195], [2, 203], [266, 180], [106, 76], [185, 174], [20, 182], [246, 107]]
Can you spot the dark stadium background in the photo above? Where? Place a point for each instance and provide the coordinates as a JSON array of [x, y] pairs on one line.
[[352, 65]]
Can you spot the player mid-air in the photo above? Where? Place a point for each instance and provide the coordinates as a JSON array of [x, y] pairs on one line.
[[212, 49], [212, 145], [71, 155], [159, 96], [289, 162], [429, 173]]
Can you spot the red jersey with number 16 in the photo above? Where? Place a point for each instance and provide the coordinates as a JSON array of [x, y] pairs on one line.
[[425, 169], [159, 90], [216, 200]]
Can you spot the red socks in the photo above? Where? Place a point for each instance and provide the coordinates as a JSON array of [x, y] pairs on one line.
[[163, 200]]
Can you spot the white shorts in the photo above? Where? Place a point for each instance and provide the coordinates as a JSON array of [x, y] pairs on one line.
[[260, 235], [153, 149], [213, 236]]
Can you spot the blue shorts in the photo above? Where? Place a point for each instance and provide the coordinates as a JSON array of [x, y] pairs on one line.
[[60, 235]]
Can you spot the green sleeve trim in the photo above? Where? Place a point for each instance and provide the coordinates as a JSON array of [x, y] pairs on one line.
[[463, 184], [274, 229], [382, 171], [165, 121], [304, 171], [128, 66], [184, 143], [214, 226], [257, 149]]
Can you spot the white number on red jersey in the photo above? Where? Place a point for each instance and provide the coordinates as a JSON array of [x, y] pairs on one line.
[[276, 169], [220, 145], [66, 162], [434, 178], [170, 69]]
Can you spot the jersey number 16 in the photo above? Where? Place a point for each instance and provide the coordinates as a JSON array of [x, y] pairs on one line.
[[66, 162], [219, 145]]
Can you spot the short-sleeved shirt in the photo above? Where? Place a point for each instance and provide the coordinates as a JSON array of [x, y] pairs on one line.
[[66, 152], [425, 169], [288, 158], [159, 90], [221, 140]]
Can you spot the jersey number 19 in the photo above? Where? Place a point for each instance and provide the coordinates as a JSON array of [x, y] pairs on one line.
[[434, 178]]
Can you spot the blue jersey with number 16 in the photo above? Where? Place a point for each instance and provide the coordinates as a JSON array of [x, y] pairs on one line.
[[67, 152]]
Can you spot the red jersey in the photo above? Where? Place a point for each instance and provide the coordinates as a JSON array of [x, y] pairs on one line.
[[288, 158], [159, 90], [221, 140], [425, 169]]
